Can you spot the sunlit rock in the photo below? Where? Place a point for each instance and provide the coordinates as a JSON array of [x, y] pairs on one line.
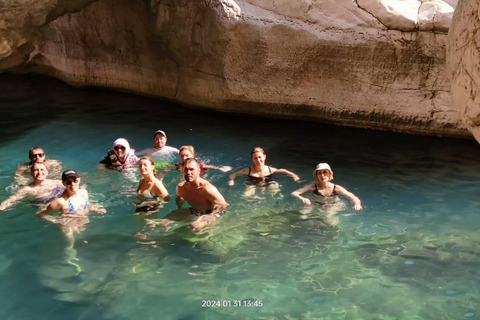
[[343, 62], [463, 62]]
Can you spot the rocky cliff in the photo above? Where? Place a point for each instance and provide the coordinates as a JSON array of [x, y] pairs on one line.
[[464, 63], [367, 63]]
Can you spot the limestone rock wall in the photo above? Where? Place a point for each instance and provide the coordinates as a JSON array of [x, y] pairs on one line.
[[331, 60], [463, 61]]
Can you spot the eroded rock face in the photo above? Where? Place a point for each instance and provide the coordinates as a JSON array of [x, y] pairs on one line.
[[463, 61], [324, 60]]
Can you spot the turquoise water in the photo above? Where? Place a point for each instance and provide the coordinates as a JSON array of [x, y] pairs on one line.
[[412, 253]]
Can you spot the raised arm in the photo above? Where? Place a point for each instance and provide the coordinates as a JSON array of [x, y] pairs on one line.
[[288, 173], [236, 174], [357, 204], [298, 194]]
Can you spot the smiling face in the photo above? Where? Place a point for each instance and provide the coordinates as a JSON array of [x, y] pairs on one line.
[[259, 158], [145, 166], [37, 155], [120, 151], [191, 171], [160, 141], [39, 171]]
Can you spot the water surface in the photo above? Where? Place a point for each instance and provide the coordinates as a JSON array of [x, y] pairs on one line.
[[412, 253]]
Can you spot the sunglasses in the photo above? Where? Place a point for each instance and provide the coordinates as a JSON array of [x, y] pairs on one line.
[[70, 182], [117, 148], [324, 172], [38, 155]]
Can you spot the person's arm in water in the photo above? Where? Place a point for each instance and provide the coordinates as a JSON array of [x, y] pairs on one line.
[[216, 198], [162, 191], [55, 205], [298, 194], [179, 199], [221, 168], [54, 167], [22, 193], [288, 173], [357, 204], [236, 174], [92, 207]]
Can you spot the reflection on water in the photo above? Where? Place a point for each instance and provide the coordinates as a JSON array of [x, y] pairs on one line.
[[412, 253]]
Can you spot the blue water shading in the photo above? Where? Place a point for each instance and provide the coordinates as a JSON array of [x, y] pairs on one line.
[[416, 238]]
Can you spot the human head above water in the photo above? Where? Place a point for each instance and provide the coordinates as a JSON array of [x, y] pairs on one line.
[[323, 167], [191, 169], [70, 173], [160, 139], [121, 147], [36, 154], [149, 160], [186, 152]]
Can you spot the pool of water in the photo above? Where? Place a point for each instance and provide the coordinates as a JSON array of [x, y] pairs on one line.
[[412, 253]]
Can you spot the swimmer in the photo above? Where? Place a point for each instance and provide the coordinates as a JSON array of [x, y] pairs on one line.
[[260, 175], [207, 203], [161, 152], [325, 192], [73, 205], [121, 157], [36, 155], [150, 192], [187, 152], [41, 190]]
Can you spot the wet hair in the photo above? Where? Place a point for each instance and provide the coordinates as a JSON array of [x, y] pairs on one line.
[[151, 161], [257, 149], [37, 164], [30, 152], [189, 148], [191, 160]]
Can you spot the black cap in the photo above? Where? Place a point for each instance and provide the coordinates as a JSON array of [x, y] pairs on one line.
[[69, 174]]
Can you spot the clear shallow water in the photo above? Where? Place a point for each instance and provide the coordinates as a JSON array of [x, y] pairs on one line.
[[412, 253]]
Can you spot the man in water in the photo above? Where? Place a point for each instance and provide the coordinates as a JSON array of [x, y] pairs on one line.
[[40, 190], [206, 201], [161, 152], [36, 155]]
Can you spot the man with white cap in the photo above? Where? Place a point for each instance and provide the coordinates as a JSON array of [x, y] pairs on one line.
[[122, 156], [161, 152]]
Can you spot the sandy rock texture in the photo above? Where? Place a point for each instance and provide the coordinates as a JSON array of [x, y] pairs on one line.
[[463, 62], [365, 63]]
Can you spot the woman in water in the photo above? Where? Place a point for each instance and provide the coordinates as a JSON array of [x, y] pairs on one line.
[[187, 152], [74, 207], [260, 175], [151, 191], [121, 157], [325, 192]]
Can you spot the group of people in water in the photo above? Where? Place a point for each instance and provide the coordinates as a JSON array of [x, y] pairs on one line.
[[207, 204]]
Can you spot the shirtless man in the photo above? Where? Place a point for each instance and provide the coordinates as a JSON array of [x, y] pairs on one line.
[[161, 152], [206, 201], [36, 154], [41, 189]]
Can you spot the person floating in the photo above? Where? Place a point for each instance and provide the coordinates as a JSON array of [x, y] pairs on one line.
[[324, 191], [160, 153], [207, 203], [41, 190], [121, 157], [150, 192], [260, 175], [37, 155]]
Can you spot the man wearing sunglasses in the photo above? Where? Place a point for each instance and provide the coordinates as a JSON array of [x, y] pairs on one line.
[[161, 152], [41, 190], [36, 155]]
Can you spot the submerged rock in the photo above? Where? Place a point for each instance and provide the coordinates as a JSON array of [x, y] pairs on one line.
[[359, 63]]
